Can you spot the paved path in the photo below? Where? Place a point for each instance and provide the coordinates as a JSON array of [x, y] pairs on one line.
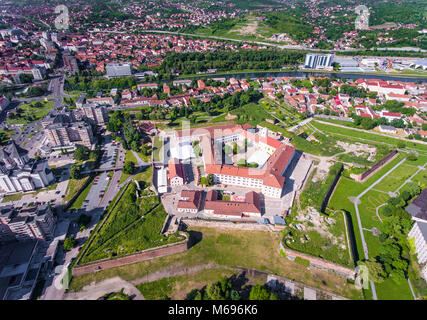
[[97, 290], [412, 290], [140, 161]]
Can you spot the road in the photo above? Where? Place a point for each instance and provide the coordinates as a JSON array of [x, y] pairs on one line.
[[31, 135], [93, 206]]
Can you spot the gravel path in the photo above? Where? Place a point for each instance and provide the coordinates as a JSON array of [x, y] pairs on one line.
[[97, 290]]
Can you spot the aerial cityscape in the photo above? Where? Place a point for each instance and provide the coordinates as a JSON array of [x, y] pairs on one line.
[[213, 150]]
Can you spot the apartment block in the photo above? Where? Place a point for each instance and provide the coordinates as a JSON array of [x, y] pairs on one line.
[[70, 134]]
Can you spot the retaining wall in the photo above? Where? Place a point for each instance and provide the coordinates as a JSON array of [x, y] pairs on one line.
[[140, 256], [250, 226], [319, 263]]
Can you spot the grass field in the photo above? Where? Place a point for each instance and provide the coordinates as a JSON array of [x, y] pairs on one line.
[[157, 147], [74, 185], [178, 287], [13, 197], [320, 245], [367, 136], [251, 113], [77, 204], [128, 157], [27, 113], [134, 225], [367, 209], [231, 248]]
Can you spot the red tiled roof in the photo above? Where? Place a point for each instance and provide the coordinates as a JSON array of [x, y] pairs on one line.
[[233, 208], [175, 169], [192, 201]]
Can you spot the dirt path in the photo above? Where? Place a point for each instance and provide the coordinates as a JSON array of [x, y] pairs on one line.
[[97, 290]]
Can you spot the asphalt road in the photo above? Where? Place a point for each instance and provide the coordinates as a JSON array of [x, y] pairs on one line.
[[93, 206]]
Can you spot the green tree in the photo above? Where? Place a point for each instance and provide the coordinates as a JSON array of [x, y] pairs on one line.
[[69, 243], [75, 171], [375, 270], [81, 153], [129, 167], [259, 292], [235, 148], [214, 292], [234, 295], [210, 180], [367, 123], [228, 149]]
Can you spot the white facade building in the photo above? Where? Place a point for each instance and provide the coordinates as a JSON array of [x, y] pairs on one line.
[[19, 173], [318, 61], [162, 181], [419, 234], [118, 69]]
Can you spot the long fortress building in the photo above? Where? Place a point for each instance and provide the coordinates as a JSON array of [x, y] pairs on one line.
[[268, 179]]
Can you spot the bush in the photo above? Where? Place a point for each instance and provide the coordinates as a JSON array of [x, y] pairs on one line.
[[412, 157], [75, 171], [302, 261], [129, 167], [69, 243]]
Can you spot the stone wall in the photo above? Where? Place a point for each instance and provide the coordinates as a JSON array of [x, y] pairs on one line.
[[140, 256], [250, 226], [319, 263]]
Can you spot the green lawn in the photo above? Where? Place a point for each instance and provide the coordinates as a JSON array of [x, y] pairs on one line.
[[128, 157], [157, 147], [13, 197], [74, 185], [372, 137], [367, 209], [134, 225], [81, 198], [251, 113], [231, 248], [276, 128], [27, 113], [421, 177], [390, 290], [178, 287], [389, 183]]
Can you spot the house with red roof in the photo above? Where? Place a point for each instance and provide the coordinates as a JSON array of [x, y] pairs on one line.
[[250, 207], [176, 174], [190, 201]]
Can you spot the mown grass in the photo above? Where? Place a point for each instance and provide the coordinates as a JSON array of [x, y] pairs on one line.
[[178, 287], [77, 204], [367, 136], [29, 113], [74, 185], [231, 248], [134, 225], [367, 210]]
